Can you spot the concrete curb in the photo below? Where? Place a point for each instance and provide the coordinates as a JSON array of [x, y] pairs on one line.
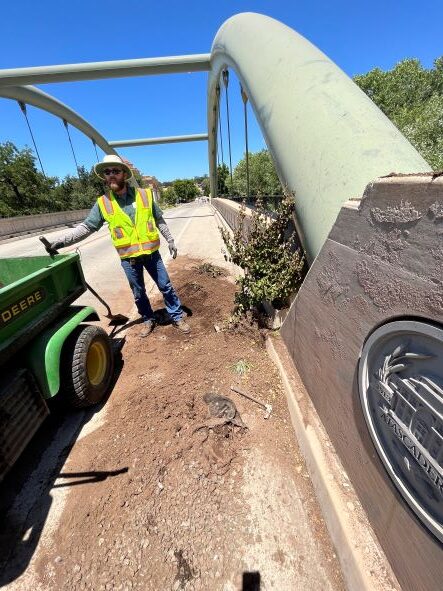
[[364, 564]]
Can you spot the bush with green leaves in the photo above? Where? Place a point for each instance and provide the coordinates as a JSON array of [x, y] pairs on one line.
[[267, 248]]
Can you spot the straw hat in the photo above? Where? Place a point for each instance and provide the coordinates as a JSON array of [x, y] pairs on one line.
[[111, 160]]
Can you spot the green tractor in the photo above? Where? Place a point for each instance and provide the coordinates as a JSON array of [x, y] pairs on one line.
[[48, 347]]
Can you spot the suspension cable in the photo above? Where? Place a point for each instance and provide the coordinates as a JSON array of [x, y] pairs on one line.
[[23, 109], [95, 148], [220, 125], [221, 139], [218, 157], [245, 110], [65, 123], [226, 82]]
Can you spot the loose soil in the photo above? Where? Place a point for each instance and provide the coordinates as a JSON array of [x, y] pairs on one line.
[[173, 500]]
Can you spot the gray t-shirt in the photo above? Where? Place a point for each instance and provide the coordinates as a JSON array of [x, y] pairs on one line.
[[95, 219]]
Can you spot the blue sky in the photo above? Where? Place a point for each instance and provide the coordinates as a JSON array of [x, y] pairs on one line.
[[357, 35]]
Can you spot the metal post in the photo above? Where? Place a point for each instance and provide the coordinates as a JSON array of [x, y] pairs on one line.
[[173, 139], [102, 70]]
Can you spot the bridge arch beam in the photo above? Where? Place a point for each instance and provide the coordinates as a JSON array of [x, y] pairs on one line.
[[327, 138], [37, 98]]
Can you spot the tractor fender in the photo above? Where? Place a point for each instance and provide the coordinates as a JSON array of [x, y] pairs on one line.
[[44, 353]]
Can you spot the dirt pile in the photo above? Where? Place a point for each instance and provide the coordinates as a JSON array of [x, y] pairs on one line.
[[169, 509]]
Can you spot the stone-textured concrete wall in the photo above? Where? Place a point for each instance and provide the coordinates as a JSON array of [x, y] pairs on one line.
[[29, 223], [382, 261], [230, 210]]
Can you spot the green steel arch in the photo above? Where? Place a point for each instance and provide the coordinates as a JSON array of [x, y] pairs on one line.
[[327, 138], [36, 97]]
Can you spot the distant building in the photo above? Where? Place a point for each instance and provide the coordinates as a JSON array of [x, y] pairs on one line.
[[132, 167], [151, 182]]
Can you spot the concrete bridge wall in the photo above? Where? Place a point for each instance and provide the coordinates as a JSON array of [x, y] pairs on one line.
[[382, 262], [26, 224], [229, 210]]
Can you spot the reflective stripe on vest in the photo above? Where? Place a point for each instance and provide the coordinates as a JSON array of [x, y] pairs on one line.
[[107, 204], [125, 251], [144, 197]]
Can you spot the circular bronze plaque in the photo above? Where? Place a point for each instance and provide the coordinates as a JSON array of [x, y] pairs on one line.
[[401, 392]]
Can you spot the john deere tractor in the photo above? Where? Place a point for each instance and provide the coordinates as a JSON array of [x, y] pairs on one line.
[[48, 347]]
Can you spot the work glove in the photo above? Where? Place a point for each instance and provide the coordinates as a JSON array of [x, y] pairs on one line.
[[51, 247], [57, 244], [172, 249]]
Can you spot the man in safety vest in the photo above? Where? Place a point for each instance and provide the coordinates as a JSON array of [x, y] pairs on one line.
[[134, 221]]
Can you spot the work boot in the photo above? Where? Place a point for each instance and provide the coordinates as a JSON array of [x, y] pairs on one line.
[[148, 328], [182, 325]]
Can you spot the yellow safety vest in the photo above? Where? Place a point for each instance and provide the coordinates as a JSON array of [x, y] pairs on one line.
[[131, 239]]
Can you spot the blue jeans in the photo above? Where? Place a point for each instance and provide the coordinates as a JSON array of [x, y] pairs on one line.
[[154, 265]]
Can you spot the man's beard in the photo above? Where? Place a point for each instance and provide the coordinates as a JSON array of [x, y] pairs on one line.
[[116, 186]]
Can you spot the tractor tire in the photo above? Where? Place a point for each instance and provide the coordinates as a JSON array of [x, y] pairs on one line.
[[87, 366]]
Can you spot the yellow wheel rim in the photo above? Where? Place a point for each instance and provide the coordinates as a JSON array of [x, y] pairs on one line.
[[96, 363]]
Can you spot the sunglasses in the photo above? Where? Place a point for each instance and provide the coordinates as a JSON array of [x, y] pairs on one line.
[[109, 171]]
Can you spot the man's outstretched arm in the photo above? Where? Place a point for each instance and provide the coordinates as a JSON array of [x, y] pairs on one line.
[[92, 223], [72, 236]]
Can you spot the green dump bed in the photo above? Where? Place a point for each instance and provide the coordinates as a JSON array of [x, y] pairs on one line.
[[33, 292]]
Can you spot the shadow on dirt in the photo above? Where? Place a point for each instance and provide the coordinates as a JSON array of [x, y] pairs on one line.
[[251, 581], [25, 495], [161, 317], [88, 477]]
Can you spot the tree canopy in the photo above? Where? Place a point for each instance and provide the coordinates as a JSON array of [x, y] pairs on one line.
[[263, 179], [168, 196], [22, 187], [222, 180], [25, 190], [185, 189], [412, 97]]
